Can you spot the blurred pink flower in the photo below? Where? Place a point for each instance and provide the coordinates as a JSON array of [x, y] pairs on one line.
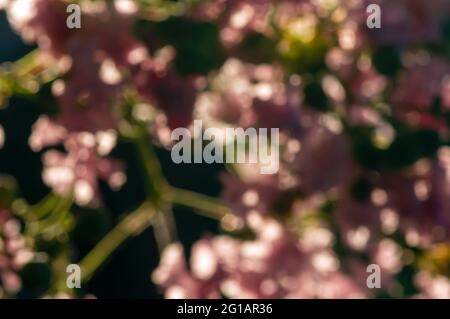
[[201, 281], [78, 171], [251, 196], [366, 85], [41, 21], [358, 221], [417, 89], [414, 201], [404, 22], [324, 161], [421, 198], [158, 83], [433, 286], [238, 18], [420, 84], [91, 58], [249, 95], [271, 266], [14, 254]]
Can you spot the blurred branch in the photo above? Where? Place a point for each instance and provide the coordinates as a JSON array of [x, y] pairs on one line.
[[165, 193], [59, 220], [30, 64], [161, 9], [164, 229], [205, 205], [157, 186], [154, 178], [25, 77], [132, 225], [156, 210]]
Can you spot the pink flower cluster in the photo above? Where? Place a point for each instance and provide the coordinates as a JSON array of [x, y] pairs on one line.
[[95, 62], [274, 265], [424, 81], [14, 254], [77, 170], [317, 162], [350, 102]]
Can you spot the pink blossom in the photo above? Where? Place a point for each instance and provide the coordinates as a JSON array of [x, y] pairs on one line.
[[238, 18], [271, 266], [324, 160], [78, 171], [420, 84], [433, 286], [178, 282], [418, 88], [252, 196], [367, 84], [249, 95], [421, 198], [14, 254], [404, 22], [158, 83], [91, 57]]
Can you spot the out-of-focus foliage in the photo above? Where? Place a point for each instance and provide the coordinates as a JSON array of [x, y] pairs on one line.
[[364, 163]]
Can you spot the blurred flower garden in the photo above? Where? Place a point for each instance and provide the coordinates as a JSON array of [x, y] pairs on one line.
[[86, 117]]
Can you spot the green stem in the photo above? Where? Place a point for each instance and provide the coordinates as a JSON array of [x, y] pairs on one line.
[[205, 205], [155, 210], [154, 179], [164, 231], [30, 64], [159, 188], [131, 225]]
